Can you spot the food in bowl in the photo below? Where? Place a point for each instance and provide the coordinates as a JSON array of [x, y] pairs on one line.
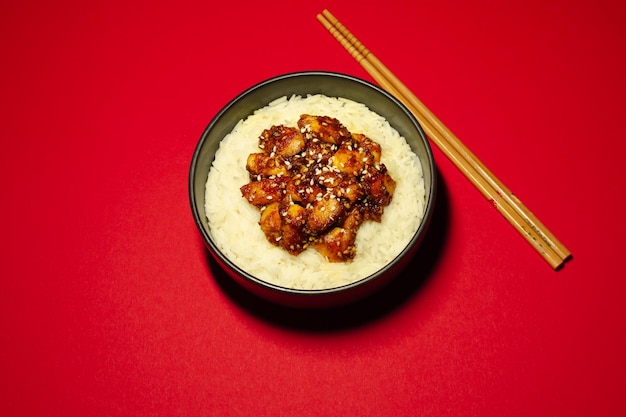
[[234, 223], [315, 184]]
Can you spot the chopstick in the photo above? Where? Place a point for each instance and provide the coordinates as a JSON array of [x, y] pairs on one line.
[[505, 202]]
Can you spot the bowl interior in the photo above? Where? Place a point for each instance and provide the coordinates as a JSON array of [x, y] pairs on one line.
[[303, 84]]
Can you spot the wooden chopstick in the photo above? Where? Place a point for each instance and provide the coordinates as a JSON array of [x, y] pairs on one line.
[[488, 176], [540, 238]]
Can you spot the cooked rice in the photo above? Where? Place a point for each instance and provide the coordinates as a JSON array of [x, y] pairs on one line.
[[233, 222]]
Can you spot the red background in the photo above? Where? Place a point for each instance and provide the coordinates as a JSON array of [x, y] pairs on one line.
[[110, 306]]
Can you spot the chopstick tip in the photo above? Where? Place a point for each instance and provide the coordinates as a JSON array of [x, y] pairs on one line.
[[324, 21]]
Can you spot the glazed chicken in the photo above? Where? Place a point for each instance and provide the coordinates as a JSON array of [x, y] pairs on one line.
[[324, 128], [315, 184], [282, 140]]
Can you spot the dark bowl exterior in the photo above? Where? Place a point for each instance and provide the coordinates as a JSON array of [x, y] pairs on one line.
[[305, 83]]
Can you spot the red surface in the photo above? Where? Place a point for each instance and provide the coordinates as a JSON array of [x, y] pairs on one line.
[[109, 305]]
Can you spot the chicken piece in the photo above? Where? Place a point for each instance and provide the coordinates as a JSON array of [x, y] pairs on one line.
[[282, 140], [270, 222], [265, 191], [371, 147], [343, 185], [353, 220], [337, 245], [379, 187], [351, 190], [329, 178], [318, 152], [295, 188], [263, 164], [324, 213], [327, 129], [302, 190], [294, 238], [350, 160]]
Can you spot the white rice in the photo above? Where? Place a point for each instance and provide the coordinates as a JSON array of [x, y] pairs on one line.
[[233, 222]]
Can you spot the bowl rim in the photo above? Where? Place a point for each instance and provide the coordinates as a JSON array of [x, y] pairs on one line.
[[240, 272]]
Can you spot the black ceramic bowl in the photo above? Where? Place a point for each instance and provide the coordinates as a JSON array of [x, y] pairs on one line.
[[304, 83]]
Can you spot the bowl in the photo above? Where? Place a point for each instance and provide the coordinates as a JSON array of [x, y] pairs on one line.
[[305, 83]]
